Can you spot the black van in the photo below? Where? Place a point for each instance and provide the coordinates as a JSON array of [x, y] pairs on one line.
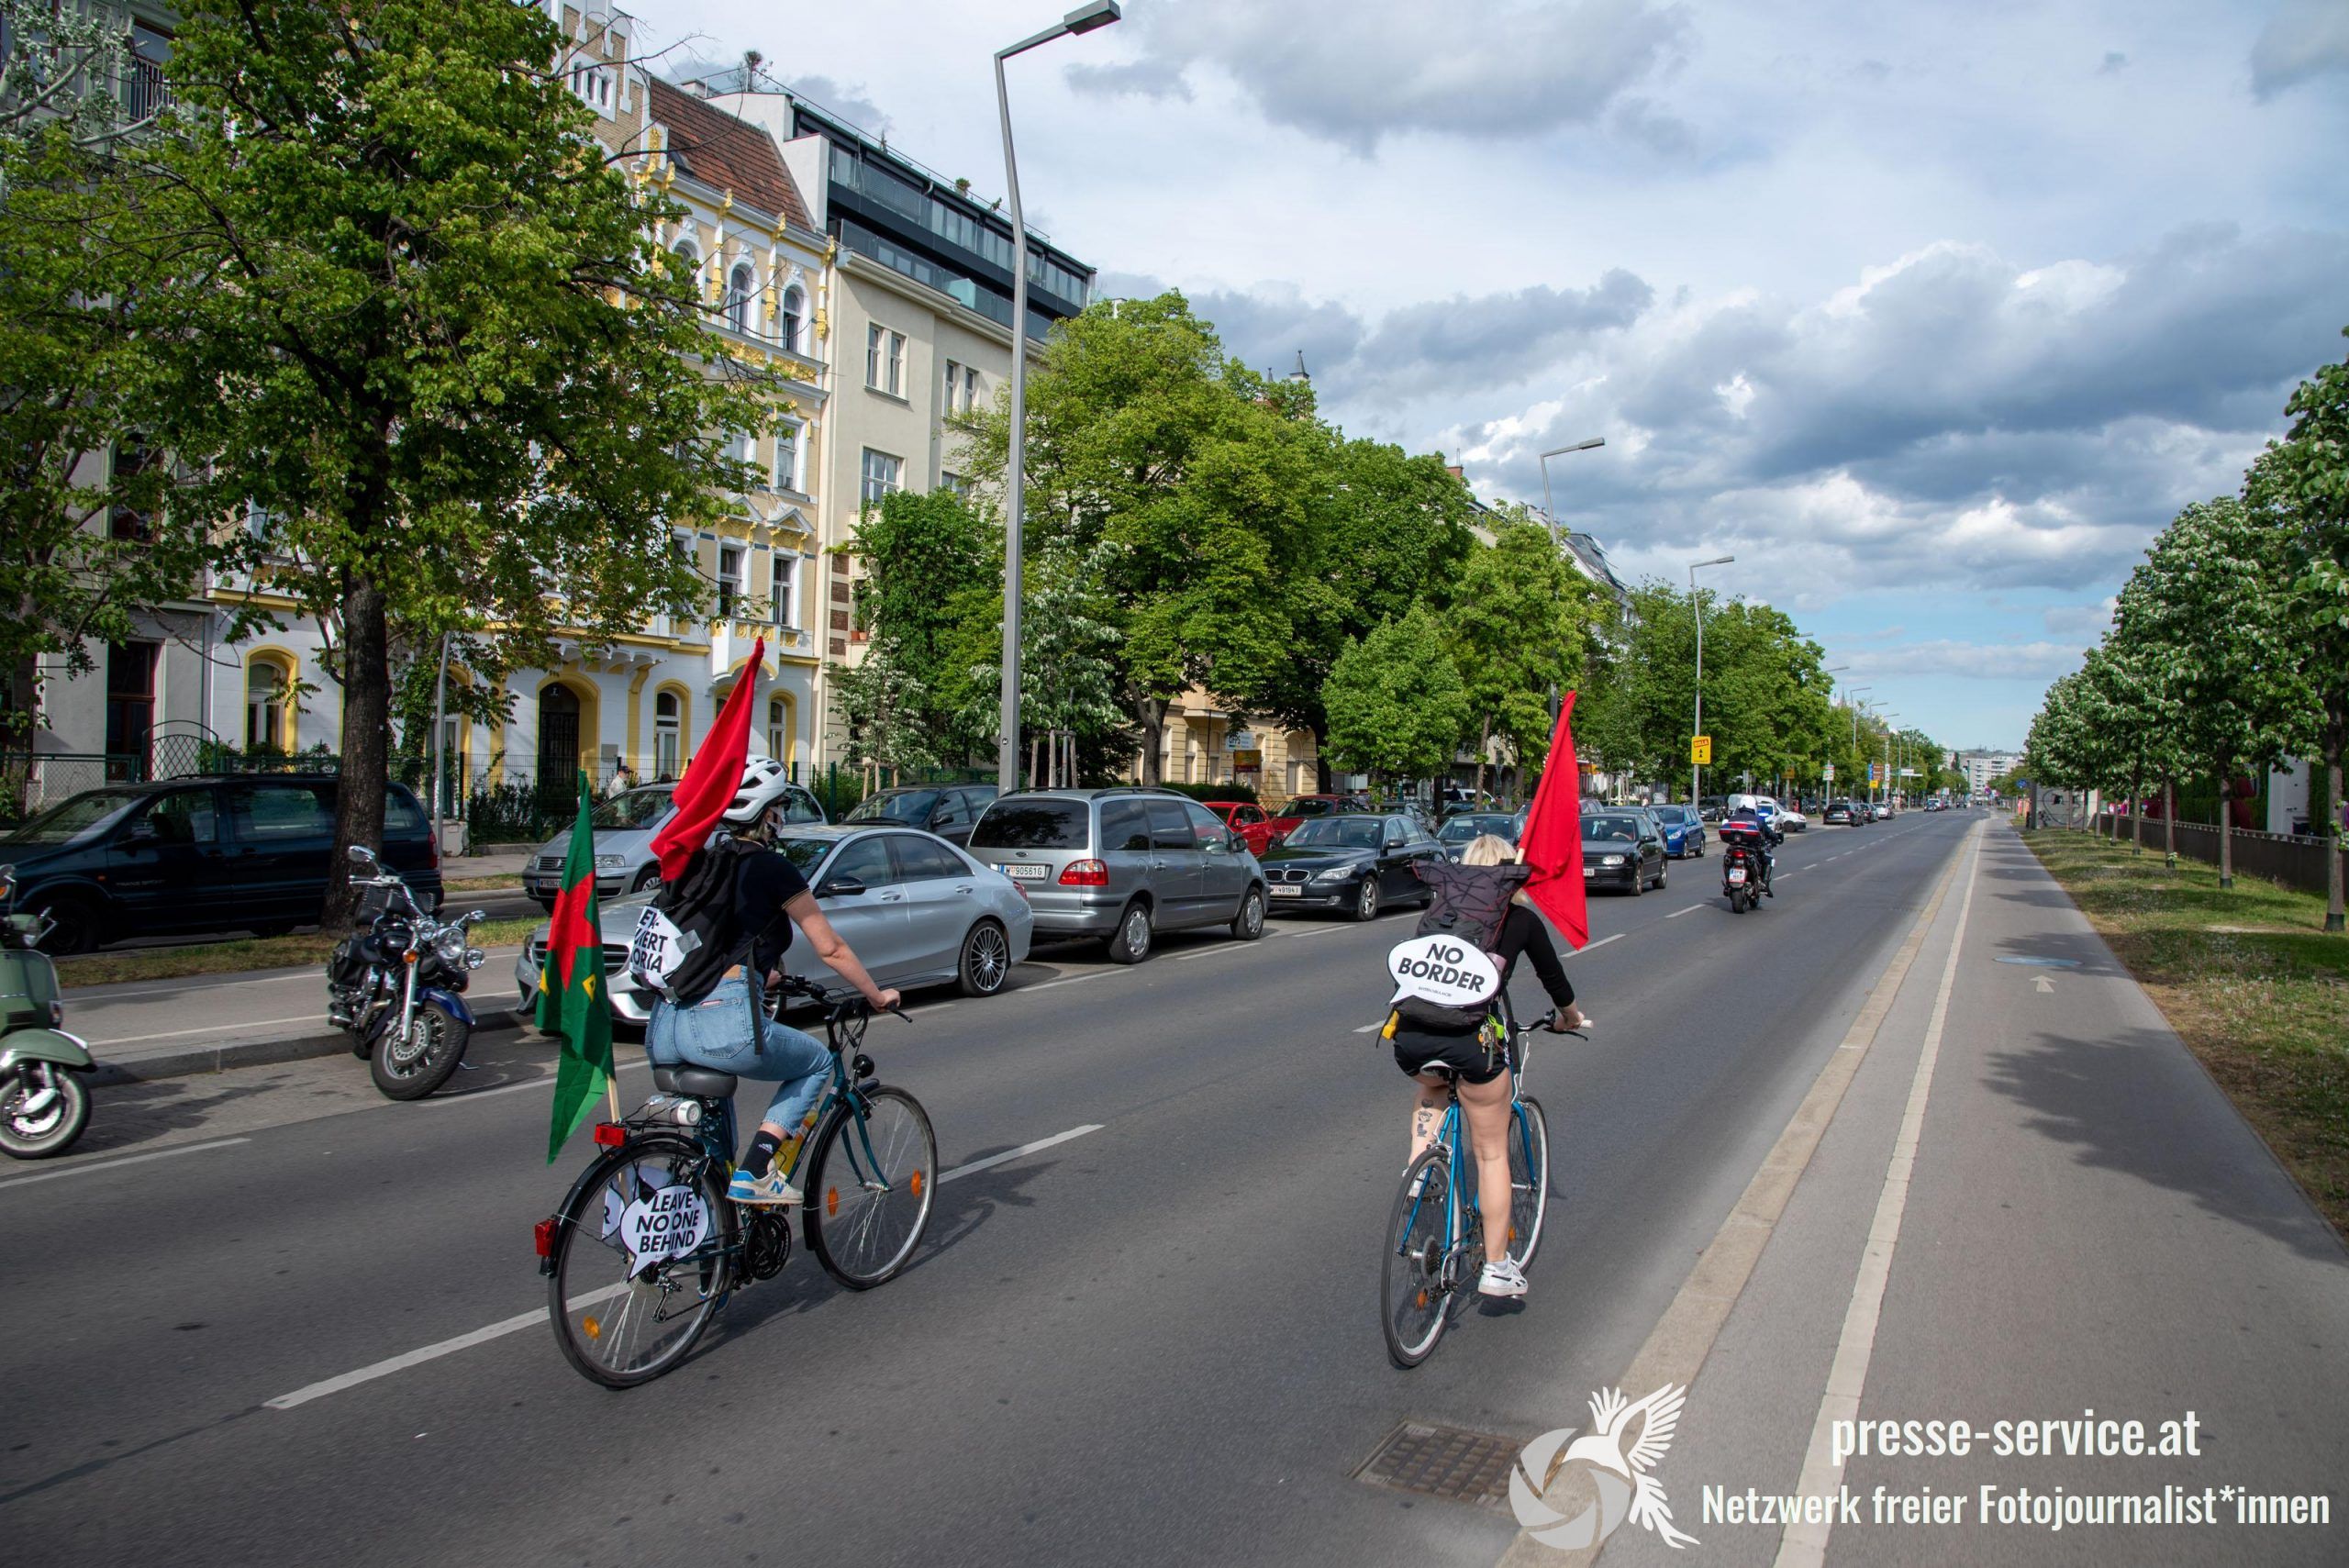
[[246, 852]]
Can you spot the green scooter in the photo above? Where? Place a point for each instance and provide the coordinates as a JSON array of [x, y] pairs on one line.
[[44, 1103]]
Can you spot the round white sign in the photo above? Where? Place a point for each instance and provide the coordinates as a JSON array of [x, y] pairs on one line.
[[1443, 969]]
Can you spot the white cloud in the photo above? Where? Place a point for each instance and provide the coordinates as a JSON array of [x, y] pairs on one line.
[[1959, 657], [2305, 38], [1354, 71]]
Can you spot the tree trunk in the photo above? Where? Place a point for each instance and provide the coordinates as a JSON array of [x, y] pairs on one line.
[[366, 716], [1035, 756], [1321, 761], [2169, 822], [1150, 714], [2137, 813], [2330, 833], [1483, 744], [2226, 827]]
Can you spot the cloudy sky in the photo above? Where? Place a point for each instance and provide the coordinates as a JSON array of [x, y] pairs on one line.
[[1929, 314]]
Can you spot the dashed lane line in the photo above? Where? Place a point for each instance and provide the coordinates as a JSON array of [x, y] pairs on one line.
[[521, 1320], [1690, 910], [129, 1159], [1593, 946]]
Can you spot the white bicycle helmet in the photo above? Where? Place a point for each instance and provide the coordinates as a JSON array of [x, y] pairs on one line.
[[765, 782]]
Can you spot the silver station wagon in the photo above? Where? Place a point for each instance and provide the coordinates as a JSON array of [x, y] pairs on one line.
[[1122, 864]]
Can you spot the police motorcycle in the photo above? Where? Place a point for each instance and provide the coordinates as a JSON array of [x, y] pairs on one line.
[[396, 985], [44, 1105]]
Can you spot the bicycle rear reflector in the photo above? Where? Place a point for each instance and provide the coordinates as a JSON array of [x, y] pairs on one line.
[[610, 1134], [542, 1235]]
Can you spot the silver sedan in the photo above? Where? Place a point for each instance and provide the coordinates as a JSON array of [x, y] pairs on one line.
[[914, 908]]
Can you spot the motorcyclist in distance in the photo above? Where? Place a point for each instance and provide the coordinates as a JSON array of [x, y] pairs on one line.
[[1747, 825]]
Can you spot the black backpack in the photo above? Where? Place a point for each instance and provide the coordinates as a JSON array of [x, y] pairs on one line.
[[687, 937], [1468, 902]]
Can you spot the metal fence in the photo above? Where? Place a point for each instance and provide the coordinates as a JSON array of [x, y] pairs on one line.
[[2289, 858]]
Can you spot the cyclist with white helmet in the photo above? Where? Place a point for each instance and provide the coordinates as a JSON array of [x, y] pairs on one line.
[[728, 1031]]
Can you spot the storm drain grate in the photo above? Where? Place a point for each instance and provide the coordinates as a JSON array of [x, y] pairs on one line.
[[1443, 1461]]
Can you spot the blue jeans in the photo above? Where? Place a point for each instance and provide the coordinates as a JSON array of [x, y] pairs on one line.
[[717, 1035]]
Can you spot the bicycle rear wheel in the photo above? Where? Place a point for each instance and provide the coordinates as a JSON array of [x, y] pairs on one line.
[[1528, 1177], [866, 1215], [643, 1251], [1414, 1296]]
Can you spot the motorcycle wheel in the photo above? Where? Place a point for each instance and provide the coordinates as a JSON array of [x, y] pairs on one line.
[[51, 1131], [412, 1068]]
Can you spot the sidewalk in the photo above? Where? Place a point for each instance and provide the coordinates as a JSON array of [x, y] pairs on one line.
[[167, 1029], [2084, 1223]]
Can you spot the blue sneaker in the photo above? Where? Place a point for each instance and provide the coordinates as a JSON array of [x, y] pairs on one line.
[[765, 1191]]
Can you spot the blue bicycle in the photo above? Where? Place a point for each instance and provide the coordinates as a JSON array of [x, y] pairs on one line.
[[1435, 1240], [653, 1209]]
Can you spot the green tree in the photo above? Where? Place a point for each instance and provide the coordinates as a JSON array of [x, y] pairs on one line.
[[398, 307], [1395, 702], [2211, 625], [2302, 482], [1141, 433], [930, 561], [887, 708], [1520, 629]]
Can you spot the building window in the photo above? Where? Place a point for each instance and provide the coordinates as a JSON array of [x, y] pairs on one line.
[[882, 474], [729, 579], [885, 360], [592, 84], [955, 484], [787, 473], [970, 389], [131, 460], [794, 315], [266, 707], [689, 262], [738, 287], [779, 729], [130, 698], [783, 586], [145, 93], [668, 726], [954, 387]]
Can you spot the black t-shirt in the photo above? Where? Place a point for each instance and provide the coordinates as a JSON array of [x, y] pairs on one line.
[[764, 883]]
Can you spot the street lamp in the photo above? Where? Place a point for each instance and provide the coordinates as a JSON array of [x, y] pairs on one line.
[[1561, 452], [1825, 779], [1696, 608], [1084, 19]]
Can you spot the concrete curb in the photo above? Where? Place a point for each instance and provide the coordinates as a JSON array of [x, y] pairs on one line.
[[191, 1061]]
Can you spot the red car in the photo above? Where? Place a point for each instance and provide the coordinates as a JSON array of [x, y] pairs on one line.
[[1305, 807], [1248, 821]]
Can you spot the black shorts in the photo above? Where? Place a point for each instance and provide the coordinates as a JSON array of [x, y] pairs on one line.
[[1465, 1054]]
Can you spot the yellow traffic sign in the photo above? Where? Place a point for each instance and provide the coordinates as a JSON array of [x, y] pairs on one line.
[[1700, 750]]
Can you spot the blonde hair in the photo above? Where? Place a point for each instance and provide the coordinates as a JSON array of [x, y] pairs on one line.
[[1488, 850]]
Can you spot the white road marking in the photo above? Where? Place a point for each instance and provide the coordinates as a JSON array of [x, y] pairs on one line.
[[128, 1159], [1368, 1029], [1599, 943], [1072, 980], [481, 1005], [1023, 1150], [1690, 910], [521, 1320], [542, 1083], [1805, 1544]]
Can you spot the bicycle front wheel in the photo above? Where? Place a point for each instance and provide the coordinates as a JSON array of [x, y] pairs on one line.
[[1414, 1299], [869, 1194], [1528, 1178], [643, 1251]]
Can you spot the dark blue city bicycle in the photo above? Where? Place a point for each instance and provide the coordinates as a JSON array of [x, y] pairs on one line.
[[647, 1247], [1435, 1240]]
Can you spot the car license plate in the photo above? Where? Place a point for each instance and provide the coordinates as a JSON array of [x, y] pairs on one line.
[[1279, 892], [1590, 871], [1735, 877], [1025, 873]]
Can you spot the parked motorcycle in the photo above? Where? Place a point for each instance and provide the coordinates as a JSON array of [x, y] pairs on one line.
[[397, 984], [1743, 878], [44, 1105]]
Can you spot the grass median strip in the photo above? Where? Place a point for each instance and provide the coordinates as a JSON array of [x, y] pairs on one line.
[[235, 957], [2247, 977]]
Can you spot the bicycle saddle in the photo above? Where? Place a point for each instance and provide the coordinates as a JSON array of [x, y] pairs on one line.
[[700, 1082]]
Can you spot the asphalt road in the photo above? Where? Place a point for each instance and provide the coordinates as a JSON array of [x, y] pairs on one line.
[[1152, 1342]]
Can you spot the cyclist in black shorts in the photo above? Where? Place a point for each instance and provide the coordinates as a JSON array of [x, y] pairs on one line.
[[1473, 1060]]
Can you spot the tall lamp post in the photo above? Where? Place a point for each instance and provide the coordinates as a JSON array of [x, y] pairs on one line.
[[1561, 452], [1084, 19], [1696, 608], [1824, 781], [1888, 716]]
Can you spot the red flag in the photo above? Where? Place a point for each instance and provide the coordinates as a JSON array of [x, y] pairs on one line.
[[1552, 840], [714, 776]]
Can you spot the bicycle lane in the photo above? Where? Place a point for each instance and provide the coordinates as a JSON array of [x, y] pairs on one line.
[[391, 1232]]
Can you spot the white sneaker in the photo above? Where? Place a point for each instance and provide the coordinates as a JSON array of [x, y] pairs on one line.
[[762, 1191], [1504, 1280]]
